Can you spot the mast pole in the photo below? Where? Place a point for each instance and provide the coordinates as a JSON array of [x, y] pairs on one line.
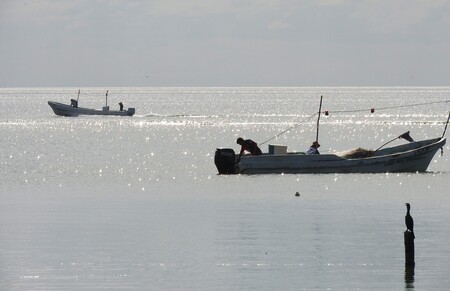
[[318, 119], [106, 98], [445, 129], [78, 95]]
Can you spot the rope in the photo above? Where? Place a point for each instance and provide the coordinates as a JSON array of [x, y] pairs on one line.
[[290, 128], [350, 111], [388, 108]]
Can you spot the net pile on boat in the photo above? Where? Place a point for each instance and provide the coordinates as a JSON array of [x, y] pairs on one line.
[[357, 153]]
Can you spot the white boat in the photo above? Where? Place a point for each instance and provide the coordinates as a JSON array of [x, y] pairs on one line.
[[73, 109], [68, 110], [411, 157]]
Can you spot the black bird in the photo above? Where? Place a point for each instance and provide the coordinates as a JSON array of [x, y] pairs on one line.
[[409, 220]]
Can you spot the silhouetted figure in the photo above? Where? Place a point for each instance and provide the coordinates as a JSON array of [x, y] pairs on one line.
[[121, 106], [249, 146], [73, 103], [409, 220]]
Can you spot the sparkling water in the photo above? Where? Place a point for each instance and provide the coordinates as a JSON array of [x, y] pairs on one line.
[[120, 203]]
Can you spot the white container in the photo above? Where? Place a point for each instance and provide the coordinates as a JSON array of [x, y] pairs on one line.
[[277, 149]]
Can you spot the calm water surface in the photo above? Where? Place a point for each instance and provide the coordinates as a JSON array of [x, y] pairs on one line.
[[136, 203]]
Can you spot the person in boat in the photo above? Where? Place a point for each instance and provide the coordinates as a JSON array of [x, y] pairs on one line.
[[313, 149], [249, 146], [73, 103], [121, 106]]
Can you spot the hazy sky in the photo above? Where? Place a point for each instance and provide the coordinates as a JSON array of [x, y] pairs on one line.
[[224, 43]]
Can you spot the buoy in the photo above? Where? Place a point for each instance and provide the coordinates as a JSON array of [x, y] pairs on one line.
[[372, 110], [326, 113], [297, 194]]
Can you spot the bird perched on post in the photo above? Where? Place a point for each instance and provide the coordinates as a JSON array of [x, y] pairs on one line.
[[409, 220]]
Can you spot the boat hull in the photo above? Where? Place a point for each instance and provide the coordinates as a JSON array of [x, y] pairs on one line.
[[412, 157], [67, 110]]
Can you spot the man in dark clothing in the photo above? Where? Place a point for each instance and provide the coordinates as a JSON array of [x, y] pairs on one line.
[[249, 146], [121, 106], [73, 103]]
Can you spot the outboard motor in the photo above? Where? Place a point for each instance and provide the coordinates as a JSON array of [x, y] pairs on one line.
[[225, 161], [131, 111]]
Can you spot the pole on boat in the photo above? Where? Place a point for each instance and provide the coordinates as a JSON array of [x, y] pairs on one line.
[[445, 129], [318, 119], [403, 135], [106, 98], [78, 95]]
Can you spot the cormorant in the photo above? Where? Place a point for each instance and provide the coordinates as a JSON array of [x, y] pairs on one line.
[[409, 220]]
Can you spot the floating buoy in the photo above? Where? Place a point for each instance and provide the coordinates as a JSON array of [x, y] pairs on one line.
[[326, 113], [297, 194], [372, 110]]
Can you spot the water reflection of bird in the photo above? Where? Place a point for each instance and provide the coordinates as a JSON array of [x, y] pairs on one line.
[[409, 220]]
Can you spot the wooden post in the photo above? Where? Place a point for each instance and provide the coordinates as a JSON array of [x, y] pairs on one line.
[[409, 248]]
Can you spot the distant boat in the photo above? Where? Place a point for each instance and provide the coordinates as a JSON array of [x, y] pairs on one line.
[[73, 109], [67, 110], [412, 157]]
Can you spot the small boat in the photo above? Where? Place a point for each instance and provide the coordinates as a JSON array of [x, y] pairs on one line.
[[68, 110], [73, 109], [414, 156]]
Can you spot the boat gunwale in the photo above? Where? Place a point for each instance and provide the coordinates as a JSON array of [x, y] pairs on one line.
[[340, 158]]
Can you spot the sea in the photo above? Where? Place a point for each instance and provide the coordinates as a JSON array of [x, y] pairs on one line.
[[136, 203]]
